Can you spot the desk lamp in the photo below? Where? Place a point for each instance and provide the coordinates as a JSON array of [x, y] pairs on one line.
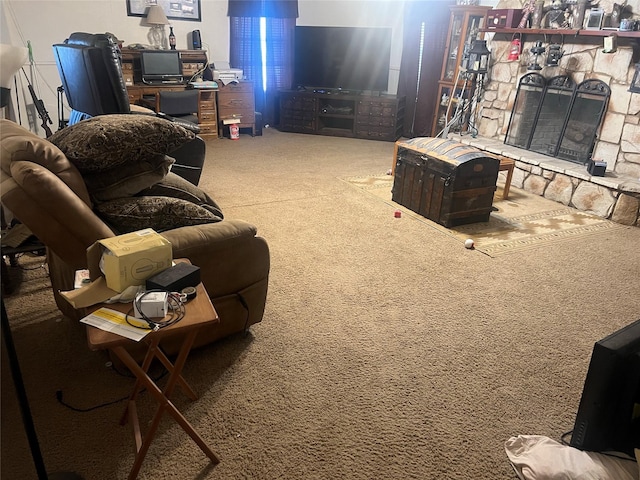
[[157, 19]]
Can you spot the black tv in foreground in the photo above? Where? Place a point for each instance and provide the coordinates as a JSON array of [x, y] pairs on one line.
[[608, 417]]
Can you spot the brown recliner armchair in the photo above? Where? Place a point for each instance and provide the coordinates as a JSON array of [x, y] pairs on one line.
[[47, 193]]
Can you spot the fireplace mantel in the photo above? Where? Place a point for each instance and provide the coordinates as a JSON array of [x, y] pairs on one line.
[[564, 31]]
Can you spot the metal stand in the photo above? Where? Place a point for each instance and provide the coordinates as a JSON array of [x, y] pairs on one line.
[[25, 410], [464, 105]]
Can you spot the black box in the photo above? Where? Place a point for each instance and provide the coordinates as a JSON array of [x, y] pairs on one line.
[[597, 169], [175, 278]]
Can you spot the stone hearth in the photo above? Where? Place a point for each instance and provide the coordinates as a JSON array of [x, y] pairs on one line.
[[616, 195]]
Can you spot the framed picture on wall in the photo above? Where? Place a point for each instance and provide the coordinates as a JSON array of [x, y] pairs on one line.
[[173, 9]]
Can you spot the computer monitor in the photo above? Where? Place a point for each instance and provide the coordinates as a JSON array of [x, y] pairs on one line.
[[608, 417], [161, 66]]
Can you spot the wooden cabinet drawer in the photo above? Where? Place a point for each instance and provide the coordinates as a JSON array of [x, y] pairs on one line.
[[246, 87], [208, 128], [235, 102], [207, 117]]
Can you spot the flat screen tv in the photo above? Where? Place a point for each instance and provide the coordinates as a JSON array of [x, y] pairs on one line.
[[608, 417], [347, 58], [161, 66]]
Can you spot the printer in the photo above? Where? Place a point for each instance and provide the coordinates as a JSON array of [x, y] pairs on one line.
[[225, 74]]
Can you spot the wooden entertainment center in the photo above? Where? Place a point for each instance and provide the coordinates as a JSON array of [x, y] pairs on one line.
[[214, 105], [375, 117]]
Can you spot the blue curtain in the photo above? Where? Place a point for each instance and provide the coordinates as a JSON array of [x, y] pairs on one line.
[[245, 50]]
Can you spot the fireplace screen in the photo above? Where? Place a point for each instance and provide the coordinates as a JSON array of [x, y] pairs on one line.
[[557, 118]]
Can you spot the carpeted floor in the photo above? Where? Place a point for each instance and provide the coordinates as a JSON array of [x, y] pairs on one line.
[[387, 350], [522, 221]]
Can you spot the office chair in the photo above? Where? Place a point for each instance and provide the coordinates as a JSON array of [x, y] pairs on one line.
[[91, 72], [90, 67], [180, 105]]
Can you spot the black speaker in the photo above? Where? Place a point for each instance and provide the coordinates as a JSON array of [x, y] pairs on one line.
[[597, 169], [195, 41]]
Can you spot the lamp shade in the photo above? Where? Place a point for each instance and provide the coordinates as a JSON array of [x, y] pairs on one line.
[[156, 16]]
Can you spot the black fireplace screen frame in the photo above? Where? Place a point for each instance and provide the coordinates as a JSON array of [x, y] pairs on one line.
[[556, 117]]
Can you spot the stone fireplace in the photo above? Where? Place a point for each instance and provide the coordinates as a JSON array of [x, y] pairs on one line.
[[563, 177], [556, 117]]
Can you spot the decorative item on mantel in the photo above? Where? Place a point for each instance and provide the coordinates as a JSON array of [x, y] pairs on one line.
[[635, 83], [515, 48], [538, 49], [554, 54], [528, 9], [538, 13]]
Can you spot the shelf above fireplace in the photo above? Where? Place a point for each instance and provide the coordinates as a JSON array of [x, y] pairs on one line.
[[564, 31]]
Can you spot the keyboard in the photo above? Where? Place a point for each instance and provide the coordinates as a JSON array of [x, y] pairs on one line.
[[164, 82]]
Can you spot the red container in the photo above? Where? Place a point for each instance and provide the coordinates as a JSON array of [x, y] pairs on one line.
[[234, 131]]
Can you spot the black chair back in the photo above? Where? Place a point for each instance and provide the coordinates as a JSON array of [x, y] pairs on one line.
[[90, 68]]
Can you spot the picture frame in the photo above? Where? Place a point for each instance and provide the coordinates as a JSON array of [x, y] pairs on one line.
[[594, 19], [173, 9]]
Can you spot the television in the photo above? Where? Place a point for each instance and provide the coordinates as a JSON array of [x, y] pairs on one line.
[[608, 417], [161, 66], [342, 58]]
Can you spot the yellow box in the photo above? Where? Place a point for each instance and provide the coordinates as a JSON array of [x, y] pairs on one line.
[[129, 259]]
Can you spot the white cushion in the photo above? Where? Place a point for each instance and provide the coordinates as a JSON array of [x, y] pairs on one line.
[[535, 457]]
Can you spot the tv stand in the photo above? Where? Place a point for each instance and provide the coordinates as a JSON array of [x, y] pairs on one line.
[[342, 114]]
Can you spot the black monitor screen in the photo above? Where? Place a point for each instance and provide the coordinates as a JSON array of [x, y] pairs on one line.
[[608, 417], [161, 64], [351, 58]]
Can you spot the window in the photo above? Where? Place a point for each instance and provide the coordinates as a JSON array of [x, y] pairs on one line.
[[261, 44]]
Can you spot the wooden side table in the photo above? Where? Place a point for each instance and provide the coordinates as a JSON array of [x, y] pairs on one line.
[[199, 314], [507, 164]]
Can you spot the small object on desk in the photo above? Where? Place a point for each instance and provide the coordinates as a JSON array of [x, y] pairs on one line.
[[203, 84], [189, 293], [113, 321], [175, 278]]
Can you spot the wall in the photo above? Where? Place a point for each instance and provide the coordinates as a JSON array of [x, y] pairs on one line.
[[45, 22]]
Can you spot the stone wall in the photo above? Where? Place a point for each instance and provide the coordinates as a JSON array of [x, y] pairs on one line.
[[618, 142], [615, 196]]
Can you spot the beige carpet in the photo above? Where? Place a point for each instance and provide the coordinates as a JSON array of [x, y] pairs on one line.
[[522, 221], [387, 351]]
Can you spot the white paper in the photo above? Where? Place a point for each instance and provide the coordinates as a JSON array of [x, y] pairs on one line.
[[113, 321]]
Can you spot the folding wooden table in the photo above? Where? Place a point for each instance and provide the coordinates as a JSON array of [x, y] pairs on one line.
[[199, 314]]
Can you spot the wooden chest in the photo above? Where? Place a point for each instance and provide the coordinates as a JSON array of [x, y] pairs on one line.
[[444, 180]]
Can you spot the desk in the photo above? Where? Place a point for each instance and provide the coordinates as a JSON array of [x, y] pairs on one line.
[[199, 314], [147, 96]]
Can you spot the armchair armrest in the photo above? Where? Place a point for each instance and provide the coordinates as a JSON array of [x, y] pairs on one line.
[[229, 254]]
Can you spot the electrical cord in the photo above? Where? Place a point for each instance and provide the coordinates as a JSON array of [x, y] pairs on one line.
[[175, 304], [60, 398]]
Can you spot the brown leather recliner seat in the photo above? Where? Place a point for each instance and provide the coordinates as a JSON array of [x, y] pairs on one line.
[[47, 193]]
